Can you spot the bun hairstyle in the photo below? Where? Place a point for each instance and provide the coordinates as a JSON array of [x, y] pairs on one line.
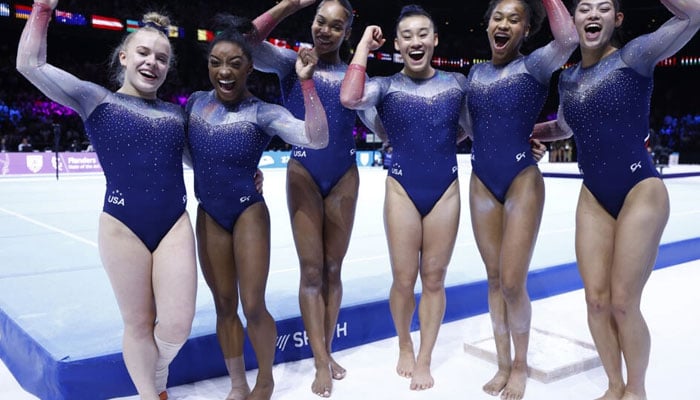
[[151, 21], [154, 20], [534, 12], [234, 29], [412, 10]]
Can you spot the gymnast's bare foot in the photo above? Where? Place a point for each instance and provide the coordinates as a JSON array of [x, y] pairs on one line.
[[515, 388], [239, 383], [421, 379], [613, 393], [406, 363], [322, 384], [262, 390], [497, 383], [337, 371], [239, 392], [632, 396]]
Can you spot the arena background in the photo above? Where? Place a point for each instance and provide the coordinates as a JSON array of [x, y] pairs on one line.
[[84, 51]]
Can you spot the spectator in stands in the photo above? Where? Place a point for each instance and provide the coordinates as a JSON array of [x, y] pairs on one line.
[[387, 153], [25, 145]]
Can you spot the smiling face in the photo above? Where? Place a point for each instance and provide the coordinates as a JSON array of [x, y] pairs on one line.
[[596, 21], [330, 28], [508, 26], [146, 60], [229, 68], [416, 40]]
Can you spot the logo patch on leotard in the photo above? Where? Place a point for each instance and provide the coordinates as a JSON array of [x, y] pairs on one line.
[[396, 170], [116, 198], [300, 153], [520, 156], [244, 199], [635, 166]]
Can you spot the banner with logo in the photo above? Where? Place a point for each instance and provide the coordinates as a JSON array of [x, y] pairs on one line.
[[279, 159], [72, 163], [46, 163]]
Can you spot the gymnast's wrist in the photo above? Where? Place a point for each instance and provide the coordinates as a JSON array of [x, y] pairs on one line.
[[307, 84], [357, 67]]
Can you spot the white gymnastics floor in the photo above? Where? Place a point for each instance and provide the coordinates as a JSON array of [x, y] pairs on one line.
[[70, 207]]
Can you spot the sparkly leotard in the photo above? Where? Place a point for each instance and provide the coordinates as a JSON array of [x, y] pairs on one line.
[[328, 165], [139, 142], [607, 105], [226, 142], [504, 102], [422, 119]]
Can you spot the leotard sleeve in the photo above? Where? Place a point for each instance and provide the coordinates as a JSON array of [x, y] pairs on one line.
[[58, 85], [311, 133], [644, 52], [357, 92], [545, 60]]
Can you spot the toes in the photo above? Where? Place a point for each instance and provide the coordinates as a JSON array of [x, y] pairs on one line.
[[338, 375]]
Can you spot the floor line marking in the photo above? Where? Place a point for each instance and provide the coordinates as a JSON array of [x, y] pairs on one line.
[[49, 227]]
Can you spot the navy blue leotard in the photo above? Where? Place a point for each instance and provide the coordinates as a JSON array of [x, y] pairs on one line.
[[607, 107], [226, 142], [326, 166], [422, 120], [504, 102], [139, 144]]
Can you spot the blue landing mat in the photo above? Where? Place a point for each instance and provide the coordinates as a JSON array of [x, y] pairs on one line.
[[59, 337]]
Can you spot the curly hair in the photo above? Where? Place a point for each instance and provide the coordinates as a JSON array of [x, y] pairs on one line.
[[534, 12]]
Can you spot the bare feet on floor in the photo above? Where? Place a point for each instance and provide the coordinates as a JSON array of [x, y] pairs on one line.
[[613, 393], [262, 391], [497, 383], [238, 392], [406, 363], [632, 396], [421, 379], [515, 388], [337, 371], [322, 384], [239, 383]]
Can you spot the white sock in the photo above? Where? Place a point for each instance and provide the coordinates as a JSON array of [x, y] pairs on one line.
[[166, 354]]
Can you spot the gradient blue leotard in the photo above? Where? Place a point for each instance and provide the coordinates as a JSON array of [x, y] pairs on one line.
[[225, 143], [504, 102], [139, 144], [422, 119], [607, 107], [327, 165]]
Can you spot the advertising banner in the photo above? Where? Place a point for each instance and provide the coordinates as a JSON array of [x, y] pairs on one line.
[[46, 163]]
